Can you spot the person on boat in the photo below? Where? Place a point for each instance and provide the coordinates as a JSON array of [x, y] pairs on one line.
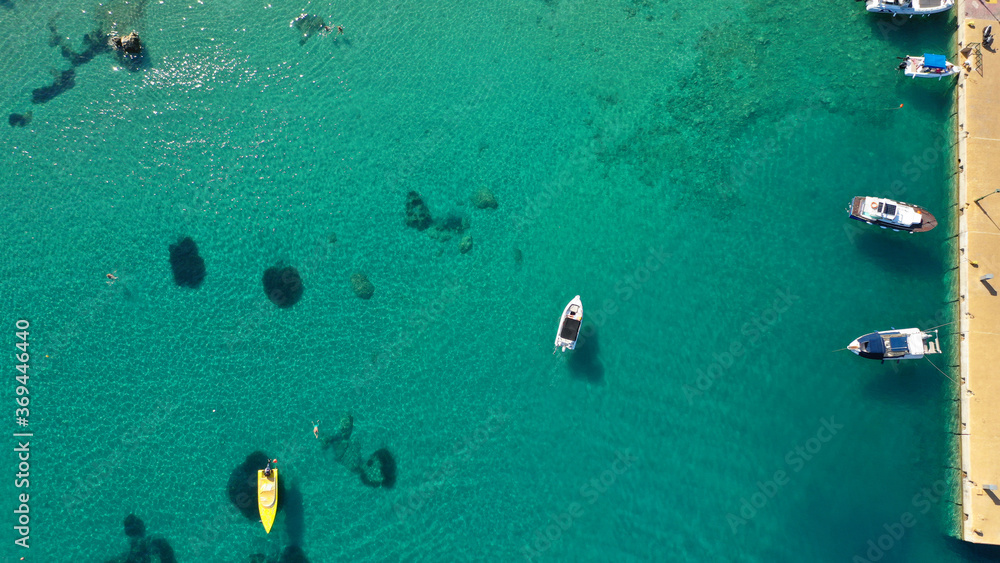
[[267, 470], [316, 429]]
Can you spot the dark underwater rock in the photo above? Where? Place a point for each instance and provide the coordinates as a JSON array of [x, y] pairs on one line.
[[134, 526], [19, 119], [518, 256], [361, 286], [345, 428], [418, 215], [187, 266], [63, 82], [484, 199], [283, 286], [454, 222], [466, 245], [348, 454], [379, 470], [293, 554], [163, 550]]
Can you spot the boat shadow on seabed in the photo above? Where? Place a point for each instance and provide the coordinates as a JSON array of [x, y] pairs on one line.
[[583, 361], [915, 258]]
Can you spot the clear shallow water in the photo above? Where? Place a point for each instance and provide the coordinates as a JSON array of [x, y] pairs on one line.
[[683, 167]]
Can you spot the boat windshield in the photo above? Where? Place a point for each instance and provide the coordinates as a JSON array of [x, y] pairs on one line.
[[570, 329], [889, 210]]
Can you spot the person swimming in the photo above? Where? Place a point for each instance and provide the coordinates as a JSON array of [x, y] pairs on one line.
[[316, 429]]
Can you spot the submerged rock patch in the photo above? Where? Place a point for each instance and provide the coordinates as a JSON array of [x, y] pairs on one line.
[[283, 286], [484, 199], [19, 119], [418, 215], [188, 267], [361, 286]]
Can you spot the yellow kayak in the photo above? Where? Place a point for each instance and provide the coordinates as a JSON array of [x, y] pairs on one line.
[[267, 497]]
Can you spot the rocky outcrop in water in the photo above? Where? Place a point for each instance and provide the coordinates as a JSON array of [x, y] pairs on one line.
[[283, 286], [128, 44], [187, 266], [484, 199], [418, 215], [465, 245], [361, 286]]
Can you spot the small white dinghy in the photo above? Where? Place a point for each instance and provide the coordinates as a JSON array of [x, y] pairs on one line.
[[928, 66], [569, 325], [908, 7]]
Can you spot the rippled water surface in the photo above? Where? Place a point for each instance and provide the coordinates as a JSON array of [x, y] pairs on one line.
[[683, 166]]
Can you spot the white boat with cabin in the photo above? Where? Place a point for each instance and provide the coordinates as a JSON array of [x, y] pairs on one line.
[[890, 214], [905, 344], [569, 325], [909, 7]]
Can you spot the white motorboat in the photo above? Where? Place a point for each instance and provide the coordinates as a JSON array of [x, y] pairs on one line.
[[569, 325], [928, 66], [905, 344], [909, 7], [890, 214]]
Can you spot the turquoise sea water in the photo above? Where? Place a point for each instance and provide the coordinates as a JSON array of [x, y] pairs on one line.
[[683, 166]]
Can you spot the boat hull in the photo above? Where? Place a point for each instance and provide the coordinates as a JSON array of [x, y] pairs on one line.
[[904, 8], [267, 497], [857, 212]]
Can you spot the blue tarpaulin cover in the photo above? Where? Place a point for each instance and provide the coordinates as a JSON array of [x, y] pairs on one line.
[[934, 61]]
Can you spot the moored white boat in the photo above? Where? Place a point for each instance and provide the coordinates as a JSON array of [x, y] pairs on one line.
[[890, 214], [569, 325], [909, 7], [905, 344], [928, 66]]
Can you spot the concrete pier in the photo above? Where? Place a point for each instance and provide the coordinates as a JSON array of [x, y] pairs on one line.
[[978, 100]]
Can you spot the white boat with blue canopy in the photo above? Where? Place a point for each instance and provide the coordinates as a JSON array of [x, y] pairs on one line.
[[928, 66], [905, 344], [909, 7]]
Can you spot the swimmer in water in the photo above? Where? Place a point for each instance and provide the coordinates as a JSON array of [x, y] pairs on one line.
[[112, 278], [340, 30], [316, 429]]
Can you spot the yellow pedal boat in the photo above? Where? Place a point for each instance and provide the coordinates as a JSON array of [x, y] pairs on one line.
[[267, 497]]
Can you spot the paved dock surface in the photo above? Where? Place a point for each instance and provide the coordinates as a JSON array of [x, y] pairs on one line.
[[978, 94]]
